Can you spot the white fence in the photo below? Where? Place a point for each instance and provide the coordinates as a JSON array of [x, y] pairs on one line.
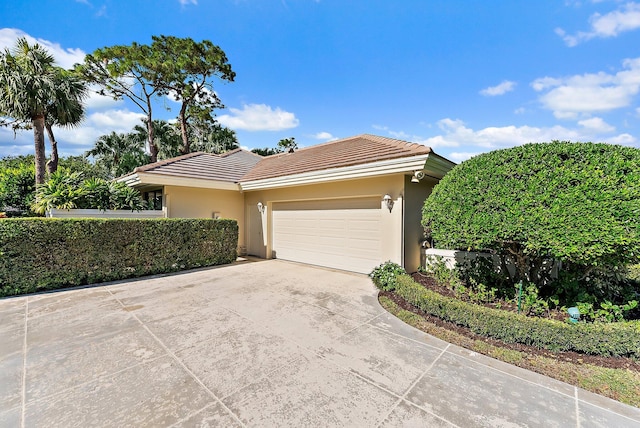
[[453, 258], [93, 213]]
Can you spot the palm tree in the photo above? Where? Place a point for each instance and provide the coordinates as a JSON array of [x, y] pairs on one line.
[[27, 77], [215, 138], [67, 109], [165, 137], [119, 153]]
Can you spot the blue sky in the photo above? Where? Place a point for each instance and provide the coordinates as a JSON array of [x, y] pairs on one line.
[[463, 77]]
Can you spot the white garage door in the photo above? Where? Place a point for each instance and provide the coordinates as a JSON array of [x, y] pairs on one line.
[[341, 234]]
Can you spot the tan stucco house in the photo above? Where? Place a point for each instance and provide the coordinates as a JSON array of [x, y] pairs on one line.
[[348, 204]]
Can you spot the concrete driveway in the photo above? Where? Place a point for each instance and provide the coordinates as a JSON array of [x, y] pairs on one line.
[[266, 343]]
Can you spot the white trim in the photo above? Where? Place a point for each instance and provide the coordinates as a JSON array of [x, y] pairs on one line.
[[438, 166], [432, 164], [141, 178], [391, 166]]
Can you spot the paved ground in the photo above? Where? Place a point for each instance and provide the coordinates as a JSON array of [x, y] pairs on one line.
[[267, 343]]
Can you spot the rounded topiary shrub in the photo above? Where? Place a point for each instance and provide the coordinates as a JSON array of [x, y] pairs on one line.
[[574, 202]]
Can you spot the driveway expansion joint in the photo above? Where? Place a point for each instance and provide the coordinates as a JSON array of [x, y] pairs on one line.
[[285, 355], [24, 362], [180, 362]]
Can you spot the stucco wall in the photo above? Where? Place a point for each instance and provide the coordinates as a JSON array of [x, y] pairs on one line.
[[190, 202], [392, 237], [415, 195]]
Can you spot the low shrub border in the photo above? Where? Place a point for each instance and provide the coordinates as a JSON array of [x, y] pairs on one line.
[[39, 254], [605, 339]]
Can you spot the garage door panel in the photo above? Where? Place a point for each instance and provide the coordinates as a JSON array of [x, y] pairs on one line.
[[334, 224], [364, 246], [364, 224], [343, 234]]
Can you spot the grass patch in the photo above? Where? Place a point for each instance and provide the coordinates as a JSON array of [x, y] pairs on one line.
[[618, 383]]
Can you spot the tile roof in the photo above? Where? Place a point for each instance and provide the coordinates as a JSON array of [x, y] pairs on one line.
[[229, 166], [356, 150]]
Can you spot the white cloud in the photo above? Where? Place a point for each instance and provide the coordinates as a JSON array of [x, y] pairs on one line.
[[400, 135], [461, 156], [500, 89], [113, 120], [65, 58], [623, 139], [590, 93], [72, 141], [17, 144], [186, 2], [95, 101], [596, 124], [455, 134], [324, 136], [258, 117], [625, 18]]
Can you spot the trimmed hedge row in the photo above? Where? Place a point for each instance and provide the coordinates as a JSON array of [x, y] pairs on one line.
[[39, 254], [606, 339]]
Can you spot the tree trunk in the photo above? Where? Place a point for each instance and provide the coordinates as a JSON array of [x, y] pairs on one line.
[[153, 149], [52, 165], [38, 139], [521, 261], [183, 129]]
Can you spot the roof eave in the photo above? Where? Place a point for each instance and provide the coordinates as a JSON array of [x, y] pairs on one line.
[[372, 169], [437, 166], [140, 179]]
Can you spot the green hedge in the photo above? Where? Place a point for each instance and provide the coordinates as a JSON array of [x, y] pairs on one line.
[[42, 253], [607, 339]]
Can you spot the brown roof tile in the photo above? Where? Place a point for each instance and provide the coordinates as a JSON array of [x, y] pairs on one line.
[[356, 150], [229, 166]]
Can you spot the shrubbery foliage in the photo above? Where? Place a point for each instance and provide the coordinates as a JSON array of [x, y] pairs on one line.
[[42, 254], [17, 187], [18, 181], [68, 190], [575, 202], [616, 339], [384, 276]]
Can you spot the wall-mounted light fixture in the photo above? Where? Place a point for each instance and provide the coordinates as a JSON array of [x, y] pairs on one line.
[[388, 202], [261, 207], [417, 176]]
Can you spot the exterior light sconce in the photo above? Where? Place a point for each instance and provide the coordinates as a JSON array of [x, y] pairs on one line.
[[261, 207], [388, 202], [417, 176]]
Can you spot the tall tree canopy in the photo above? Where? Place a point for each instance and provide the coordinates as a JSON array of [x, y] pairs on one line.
[[284, 145], [574, 202], [122, 153], [125, 72], [33, 90], [211, 137], [178, 67], [287, 144], [184, 69]]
